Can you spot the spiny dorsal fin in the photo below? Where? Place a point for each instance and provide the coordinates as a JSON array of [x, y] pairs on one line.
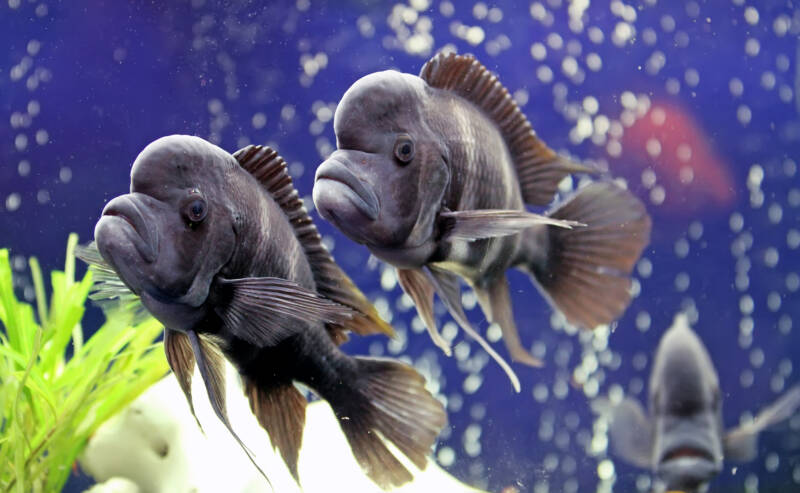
[[271, 171], [539, 168]]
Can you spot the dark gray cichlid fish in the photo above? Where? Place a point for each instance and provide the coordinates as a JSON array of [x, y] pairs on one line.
[[220, 249], [683, 440], [432, 174]]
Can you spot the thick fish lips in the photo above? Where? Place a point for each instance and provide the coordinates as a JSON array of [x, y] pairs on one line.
[[123, 219], [688, 464], [340, 197]]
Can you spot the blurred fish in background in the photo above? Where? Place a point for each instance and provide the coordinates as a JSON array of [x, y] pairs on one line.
[[683, 438]]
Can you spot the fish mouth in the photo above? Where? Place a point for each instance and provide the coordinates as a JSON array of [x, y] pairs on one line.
[[334, 181], [125, 211], [687, 466], [687, 452]]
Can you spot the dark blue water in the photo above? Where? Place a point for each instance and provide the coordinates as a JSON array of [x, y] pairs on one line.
[[84, 86]]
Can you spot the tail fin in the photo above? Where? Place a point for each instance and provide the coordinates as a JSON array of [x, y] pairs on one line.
[[586, 272], [391, 400]]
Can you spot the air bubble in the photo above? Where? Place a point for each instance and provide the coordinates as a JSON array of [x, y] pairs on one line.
[[792, 281], [751, 15], [736, 87], [752, 47], [13, 202], [744, 114]]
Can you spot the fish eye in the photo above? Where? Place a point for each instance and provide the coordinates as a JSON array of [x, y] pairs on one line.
[[404, 149], [196, 208]]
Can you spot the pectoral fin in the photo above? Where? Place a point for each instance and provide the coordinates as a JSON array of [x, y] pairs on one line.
[[446, 285], [741, 443], [257, 307], [211, 364], [488, 223], [496, 304], [416, 285], [630, 430]]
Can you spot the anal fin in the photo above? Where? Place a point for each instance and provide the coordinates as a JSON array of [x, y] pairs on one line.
[[446, 285], [416, 285], [281, 410], [496, 304]]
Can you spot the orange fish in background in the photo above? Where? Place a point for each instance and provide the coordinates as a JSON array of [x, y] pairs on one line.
[[670, 142]]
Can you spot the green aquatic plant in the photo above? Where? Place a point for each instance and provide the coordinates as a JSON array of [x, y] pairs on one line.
[[51, 403]]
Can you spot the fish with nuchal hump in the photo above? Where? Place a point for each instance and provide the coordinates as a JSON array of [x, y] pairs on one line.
[[220, 249], [433, 174], [683, 439]]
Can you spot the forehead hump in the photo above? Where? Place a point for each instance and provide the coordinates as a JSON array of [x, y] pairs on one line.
[[682, 358], [380, 97], [176, 159]]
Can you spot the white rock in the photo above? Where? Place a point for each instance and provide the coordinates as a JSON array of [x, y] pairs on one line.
[[156, 444]]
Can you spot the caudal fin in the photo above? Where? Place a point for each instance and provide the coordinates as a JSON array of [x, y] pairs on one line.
[[390, 401], [587, 271]]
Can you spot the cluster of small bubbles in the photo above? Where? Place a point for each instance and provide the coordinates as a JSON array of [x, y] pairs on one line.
[[365, 26], [481, 11], [497, 45], [540, 13], [219, 119], [412, 30], [471, 440], [474, 35], [311, 65], [324, 147], [754, 179]]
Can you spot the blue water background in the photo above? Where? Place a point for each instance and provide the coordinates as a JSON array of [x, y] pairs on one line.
[[109, 77]]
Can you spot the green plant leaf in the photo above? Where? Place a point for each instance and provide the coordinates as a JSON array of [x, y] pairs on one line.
[[49, 405]]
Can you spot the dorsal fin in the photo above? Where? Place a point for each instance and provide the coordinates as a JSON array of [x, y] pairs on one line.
[[271, 171], [539, 168]]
